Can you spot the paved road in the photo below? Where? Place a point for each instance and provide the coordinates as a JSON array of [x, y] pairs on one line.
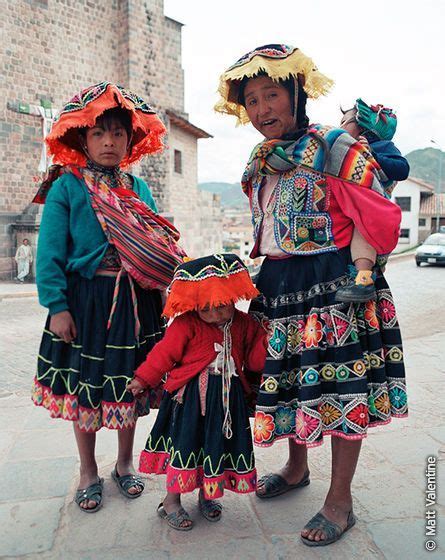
[[38, 465]]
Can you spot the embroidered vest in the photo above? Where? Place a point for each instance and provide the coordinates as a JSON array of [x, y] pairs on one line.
[[302, 224]]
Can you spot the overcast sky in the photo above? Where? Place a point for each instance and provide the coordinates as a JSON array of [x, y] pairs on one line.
[[390, 52]]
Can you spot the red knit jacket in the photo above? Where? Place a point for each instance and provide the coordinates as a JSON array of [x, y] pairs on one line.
[[188, 347]]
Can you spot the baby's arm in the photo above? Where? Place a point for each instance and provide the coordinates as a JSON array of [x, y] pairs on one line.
[[393, 164]]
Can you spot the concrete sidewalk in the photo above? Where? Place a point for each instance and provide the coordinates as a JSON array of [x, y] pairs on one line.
[[39, 475], [39, 467]]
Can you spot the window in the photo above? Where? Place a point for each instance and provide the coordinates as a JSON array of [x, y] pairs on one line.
[[178, 161], [404, 234], [404, 202], [422, 222]]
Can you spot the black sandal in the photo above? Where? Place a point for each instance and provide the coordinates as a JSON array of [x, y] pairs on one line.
[[93, 492], [127, 481], [210, 509], [332, 531], [275, 485], [176, 518]]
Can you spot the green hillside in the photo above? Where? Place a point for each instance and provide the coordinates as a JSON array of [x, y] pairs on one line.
[[424, 165], [231, 193]]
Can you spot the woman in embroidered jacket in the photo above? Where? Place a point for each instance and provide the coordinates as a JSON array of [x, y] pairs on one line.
[[95, 277], [332, 368], [201, 437]]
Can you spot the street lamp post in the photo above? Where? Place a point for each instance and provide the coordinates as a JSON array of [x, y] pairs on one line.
[[439, 186]]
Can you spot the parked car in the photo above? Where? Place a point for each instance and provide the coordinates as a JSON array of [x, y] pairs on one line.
[[432, 250]]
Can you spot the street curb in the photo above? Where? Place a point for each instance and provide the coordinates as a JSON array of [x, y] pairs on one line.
[[18, 295]]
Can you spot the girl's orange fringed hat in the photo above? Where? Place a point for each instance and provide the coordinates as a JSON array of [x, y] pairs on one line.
[[83, 110], [209, 281]]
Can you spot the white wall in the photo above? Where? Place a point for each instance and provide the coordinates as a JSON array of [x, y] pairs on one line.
[[410, 220]]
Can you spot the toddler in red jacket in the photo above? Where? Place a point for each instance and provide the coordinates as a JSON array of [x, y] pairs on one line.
[[201, 437]]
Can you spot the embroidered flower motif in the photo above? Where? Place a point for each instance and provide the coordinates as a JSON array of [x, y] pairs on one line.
[[304, 424], [370, 315], [397, 397], [387, 310], [288, 245], [313, 331], [319, 223], [300, 182], [284, 420], [359, 367], [311, 376], [341, 326], [295, 335], [383, 404], [375, 361], [359, 415], [270, 385], [328, 372], [302, 233], [278, 340], [329, 413], [342, 372], [263, 427]]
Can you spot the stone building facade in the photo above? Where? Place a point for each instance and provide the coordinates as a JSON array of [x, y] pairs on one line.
[[54, 48]]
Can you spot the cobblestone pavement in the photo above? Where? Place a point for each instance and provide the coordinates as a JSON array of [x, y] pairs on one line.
[[39, 469]]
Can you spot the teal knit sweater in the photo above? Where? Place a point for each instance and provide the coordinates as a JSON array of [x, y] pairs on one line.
[[71, 238]]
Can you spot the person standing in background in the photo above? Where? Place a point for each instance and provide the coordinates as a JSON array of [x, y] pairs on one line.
[[23, 258]]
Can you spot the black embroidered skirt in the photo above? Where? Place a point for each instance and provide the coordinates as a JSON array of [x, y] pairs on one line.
[[85, 381], [332, 368], [190, 447]]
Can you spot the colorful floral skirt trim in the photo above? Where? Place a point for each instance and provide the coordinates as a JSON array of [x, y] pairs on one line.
[[332, 368], [190, 447], [85, 381]]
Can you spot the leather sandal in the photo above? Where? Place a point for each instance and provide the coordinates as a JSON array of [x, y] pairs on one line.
[[275, 485], [127, 481], [331, 530], [175, 518], [93, 492], [210, 509]]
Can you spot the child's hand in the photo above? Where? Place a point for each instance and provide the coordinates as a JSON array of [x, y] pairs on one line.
[[364, 141], [135, 387], [62, 325]]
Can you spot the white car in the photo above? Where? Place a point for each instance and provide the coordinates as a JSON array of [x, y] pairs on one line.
[[432, 250]]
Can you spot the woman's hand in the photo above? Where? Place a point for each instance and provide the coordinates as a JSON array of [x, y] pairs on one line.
[[62, 325], [135, 387]]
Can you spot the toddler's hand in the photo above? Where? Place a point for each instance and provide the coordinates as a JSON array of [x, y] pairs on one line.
[[364, 141], [135, 387]]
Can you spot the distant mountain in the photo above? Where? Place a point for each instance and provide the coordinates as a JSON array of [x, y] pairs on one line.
[[424, 165], [231, 193]]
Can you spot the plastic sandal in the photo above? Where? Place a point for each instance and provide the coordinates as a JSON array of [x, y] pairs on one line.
[[175, 518], [127, 481], [332, 531], [275, 485], [93, 492], [209, 507]]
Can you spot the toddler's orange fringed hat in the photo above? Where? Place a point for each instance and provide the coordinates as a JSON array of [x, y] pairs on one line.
[[210, 281], [84, 109]]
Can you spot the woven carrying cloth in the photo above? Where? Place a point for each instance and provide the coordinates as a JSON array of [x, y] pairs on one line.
[[339, 155], [146, 242], [279, 62], [84, 109], [211, 281]]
